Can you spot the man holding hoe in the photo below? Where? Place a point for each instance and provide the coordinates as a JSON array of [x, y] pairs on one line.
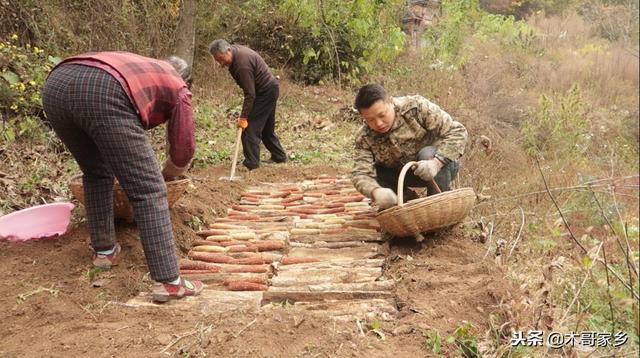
[[261, 91]]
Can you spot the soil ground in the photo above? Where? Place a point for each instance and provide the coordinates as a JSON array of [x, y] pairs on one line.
[[51, 307]]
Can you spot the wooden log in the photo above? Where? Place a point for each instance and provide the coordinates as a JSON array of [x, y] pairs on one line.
[[277, 295], [311, 277], [379, 286], [296, 231], [245, 286], [337, 220], [329, 245], [336, 238], [369, 222], [322, 217], [365, 251], [325, 226], [221, 276], [365, 227], [280, 233], [335, 231], [274, 235], [297, 260], [332, 264], [260, 280]]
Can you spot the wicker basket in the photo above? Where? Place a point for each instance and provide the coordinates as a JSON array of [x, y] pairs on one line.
[[121, 207], [425, 214]]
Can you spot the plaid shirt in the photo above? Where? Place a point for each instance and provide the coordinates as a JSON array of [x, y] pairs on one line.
[[158, 93]]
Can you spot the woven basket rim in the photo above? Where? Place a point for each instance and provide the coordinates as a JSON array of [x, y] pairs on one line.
[[426, 201], [427, 213]]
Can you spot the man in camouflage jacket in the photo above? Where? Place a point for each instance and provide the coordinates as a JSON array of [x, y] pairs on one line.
[[400, 130]]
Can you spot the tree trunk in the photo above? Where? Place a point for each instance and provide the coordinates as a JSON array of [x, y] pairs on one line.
[[186, 31]]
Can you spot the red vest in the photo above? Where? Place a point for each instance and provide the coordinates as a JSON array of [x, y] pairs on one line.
[[153, 84]]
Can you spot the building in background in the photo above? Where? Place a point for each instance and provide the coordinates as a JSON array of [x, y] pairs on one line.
[[418, 15]]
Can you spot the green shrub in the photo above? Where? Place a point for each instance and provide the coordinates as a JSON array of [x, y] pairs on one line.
[[558, 128], [321, 40], [506, 29], [447, 42], [23, 70]]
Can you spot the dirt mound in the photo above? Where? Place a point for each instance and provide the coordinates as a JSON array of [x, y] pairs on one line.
[[54, 302], [445, 282]]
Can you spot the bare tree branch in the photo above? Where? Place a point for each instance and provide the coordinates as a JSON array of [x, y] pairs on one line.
[[566, 224]]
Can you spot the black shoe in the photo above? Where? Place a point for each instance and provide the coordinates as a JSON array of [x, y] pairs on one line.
[[274, 161], [250, 167]]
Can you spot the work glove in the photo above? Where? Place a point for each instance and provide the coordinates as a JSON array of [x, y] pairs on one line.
[[384, 198], [427, 169], [243, 123], [171, 171]]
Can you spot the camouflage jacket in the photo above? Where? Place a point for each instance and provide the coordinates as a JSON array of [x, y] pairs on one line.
[[418, 123]]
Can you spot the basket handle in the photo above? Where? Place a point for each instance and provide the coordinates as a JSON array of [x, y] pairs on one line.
[[403, 173]]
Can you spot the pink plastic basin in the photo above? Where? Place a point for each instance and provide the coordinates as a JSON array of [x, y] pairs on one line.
[[36, 222]]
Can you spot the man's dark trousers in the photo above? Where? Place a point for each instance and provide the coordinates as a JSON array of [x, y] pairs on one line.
[[388, 177], [262, 125]]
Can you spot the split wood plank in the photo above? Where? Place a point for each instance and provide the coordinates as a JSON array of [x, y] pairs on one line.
[[365, 251], [338, 275], [378, 286], [305, 296]]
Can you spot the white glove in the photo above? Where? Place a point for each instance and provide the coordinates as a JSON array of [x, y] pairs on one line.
[[384, 198], [170, 170], [428, 169]]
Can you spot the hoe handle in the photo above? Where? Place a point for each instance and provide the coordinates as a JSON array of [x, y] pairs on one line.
[[235, 154]]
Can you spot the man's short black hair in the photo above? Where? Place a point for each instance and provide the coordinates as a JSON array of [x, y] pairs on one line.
[[370, 94]]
